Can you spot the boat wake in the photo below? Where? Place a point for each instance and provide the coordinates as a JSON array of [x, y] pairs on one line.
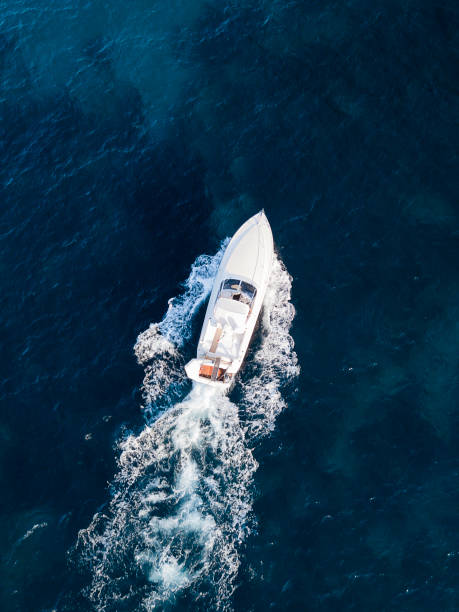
[[182, 499]]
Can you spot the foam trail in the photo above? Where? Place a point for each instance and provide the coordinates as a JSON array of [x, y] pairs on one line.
[[180, 506], [275, 362], [182, 498], [157, 347]]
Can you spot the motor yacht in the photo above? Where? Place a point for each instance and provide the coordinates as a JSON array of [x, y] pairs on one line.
[[234, 304]]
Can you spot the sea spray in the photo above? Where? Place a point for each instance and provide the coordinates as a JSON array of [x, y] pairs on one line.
[[274, 364], [179, 509], [157, 348], [182, 498]]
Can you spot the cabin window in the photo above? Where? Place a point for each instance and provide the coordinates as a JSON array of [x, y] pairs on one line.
[[239, 290]]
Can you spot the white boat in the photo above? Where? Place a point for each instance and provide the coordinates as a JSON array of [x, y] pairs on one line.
[[234, 305]]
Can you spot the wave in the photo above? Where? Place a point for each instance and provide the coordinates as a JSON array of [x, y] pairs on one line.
[[275, 362], [181, 501], [158, 347]]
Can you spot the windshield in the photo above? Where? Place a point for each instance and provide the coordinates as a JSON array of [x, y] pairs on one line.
[[239, 290]]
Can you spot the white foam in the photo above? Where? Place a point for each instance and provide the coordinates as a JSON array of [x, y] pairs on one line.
[[175, 328], [182, 497], [31, 531], [157, 348], [183, 526], [276, 359], [170, 574]]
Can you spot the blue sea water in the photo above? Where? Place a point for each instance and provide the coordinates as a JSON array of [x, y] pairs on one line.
[[135, 137]]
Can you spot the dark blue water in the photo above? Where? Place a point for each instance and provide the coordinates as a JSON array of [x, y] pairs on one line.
[[135, 137]]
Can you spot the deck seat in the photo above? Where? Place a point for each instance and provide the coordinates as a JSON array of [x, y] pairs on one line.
[[231, 313]]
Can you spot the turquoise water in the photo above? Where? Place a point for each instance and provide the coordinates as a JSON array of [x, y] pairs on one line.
[[135, 139]]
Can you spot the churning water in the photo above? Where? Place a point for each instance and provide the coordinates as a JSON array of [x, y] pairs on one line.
[[182, 498], [136, 135]]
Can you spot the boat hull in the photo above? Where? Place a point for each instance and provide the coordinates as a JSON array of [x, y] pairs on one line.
[[234, 304]]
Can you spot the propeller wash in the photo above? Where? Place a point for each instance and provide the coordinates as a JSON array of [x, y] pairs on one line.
[[182, 498]]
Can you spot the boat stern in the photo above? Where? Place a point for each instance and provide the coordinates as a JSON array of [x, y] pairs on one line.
[[209, 371]]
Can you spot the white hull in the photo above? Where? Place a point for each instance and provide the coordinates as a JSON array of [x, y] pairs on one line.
[[234, 304]]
